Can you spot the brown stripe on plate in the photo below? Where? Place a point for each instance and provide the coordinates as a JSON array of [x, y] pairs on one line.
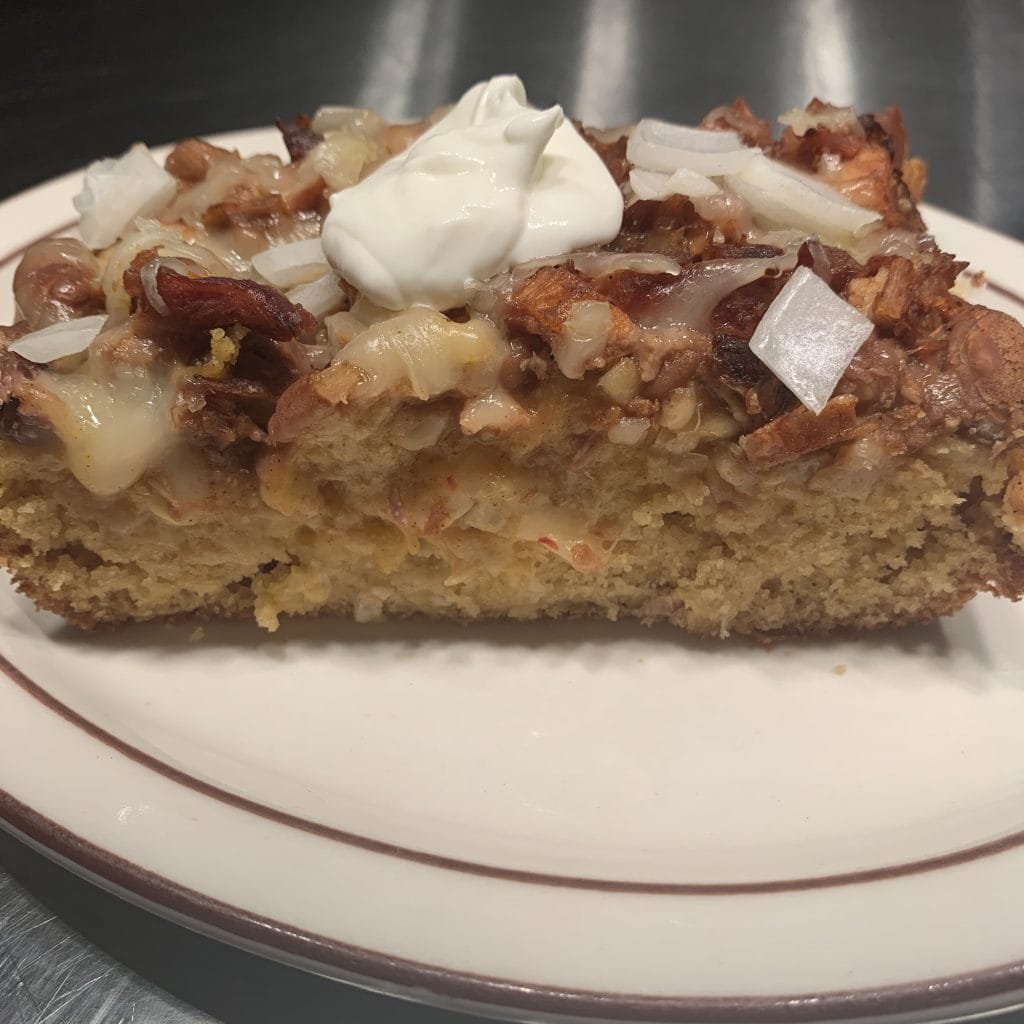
[[522, 875], [988, 989]]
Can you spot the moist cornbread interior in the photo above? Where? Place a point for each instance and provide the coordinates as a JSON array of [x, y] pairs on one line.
[[679, 483]]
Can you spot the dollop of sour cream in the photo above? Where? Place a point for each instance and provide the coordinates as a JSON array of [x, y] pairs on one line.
[[494, 183]]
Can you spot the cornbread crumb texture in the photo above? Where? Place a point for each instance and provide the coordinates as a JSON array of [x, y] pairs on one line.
[[349, 521]]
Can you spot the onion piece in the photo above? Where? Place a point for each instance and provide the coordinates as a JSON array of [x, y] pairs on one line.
[[347, 119], [565, 533], [808, 336], [593, 263], [116, 191], [600, 264], [729, 213], [691, 301], [681, 136], [882, 241], [659, 185], [319, 297], [494, 410], [659, 146], [66, 338], [782, 238], [831, 118], [629, 430], [295, 263], [584, 336], [789, 198]]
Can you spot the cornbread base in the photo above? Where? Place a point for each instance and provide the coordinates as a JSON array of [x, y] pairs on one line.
[[697, 538]]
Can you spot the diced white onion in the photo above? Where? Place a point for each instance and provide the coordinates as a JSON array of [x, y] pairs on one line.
[[334, 119], [629, 430], [116, 191], [882, 241], [494, 410], [782, 238], [834, 118], [295, 263], [659, 185], [789, 198], [319, 297], [726, 211], [584, 337], [808, 336], [598, 264], [566, 534], [681, 136], [58, 340], [660, 146], [691, 301]]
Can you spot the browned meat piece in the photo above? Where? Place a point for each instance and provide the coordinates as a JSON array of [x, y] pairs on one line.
[[299, 137], [986, 352], [888, 127], [909, 299], [208, 302], [764, 395], [875, 375], [862, 160], [57, 279], [190, 161], [13, 333], [740, 251], [252, 204], [14, 371], [899, 432], [836, 267], [224, 411], [635, 293], [738, 117], [15, 375], [246, 205], [806, 150], [740, 312], [670, 226], [541, 304], [799, 432], [735, 364]]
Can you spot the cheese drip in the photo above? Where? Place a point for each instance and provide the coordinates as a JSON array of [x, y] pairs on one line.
[[115, 423]]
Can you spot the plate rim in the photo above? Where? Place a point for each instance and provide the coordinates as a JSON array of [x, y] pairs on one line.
[[446, 988], [973, 991]]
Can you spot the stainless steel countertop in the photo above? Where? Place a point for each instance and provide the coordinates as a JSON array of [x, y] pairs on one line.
[[89, 80]]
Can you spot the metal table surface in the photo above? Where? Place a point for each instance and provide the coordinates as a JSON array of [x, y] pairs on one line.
[[87, 80]]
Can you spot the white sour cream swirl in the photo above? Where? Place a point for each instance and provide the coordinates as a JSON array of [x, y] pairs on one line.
[[492, 184]]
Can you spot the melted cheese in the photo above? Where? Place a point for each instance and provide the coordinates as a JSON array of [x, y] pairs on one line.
[[115, 424]]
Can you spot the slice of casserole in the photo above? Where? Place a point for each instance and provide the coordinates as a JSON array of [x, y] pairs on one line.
[[747, 401]]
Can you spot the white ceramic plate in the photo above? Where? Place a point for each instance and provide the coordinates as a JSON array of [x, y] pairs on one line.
[[589, 820]]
